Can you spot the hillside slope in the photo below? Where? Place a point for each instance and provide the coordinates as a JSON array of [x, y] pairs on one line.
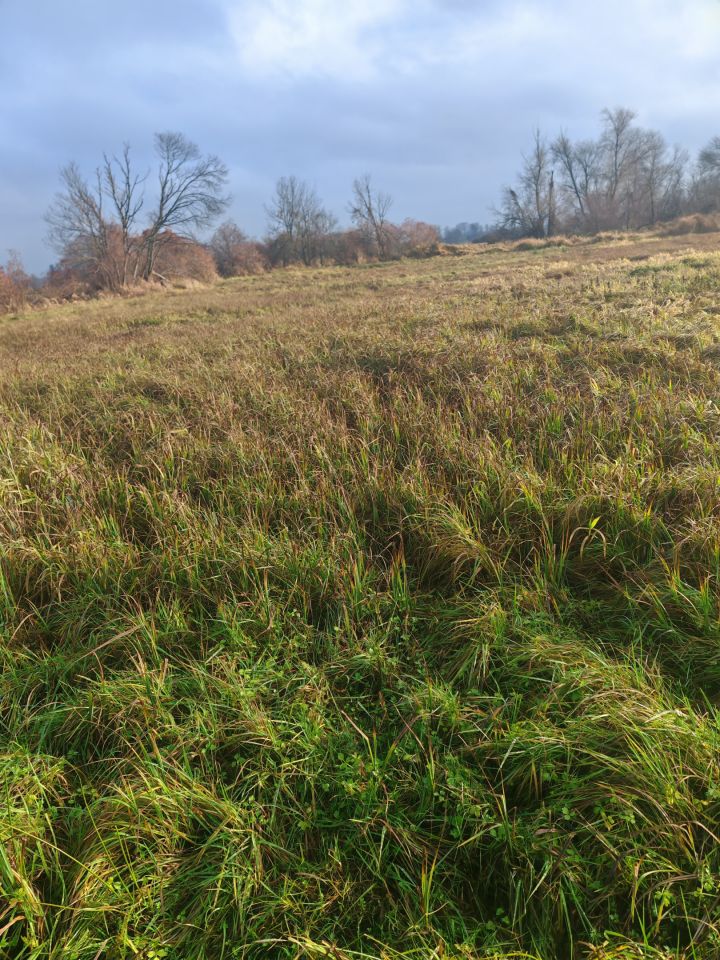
[[367, 612]]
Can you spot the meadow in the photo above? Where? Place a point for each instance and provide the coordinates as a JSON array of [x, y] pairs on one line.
[[367, 613]]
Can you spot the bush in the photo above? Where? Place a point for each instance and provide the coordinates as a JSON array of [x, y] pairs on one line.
[[348, 247], [249, 257], [235, 254], [540, 243], [418, 239], [694, 223], [178, 257], [14, 285]]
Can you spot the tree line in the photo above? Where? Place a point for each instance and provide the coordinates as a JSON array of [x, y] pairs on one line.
[[626, 178], [122, 226]]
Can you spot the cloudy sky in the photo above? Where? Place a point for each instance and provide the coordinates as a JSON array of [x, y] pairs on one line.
[[435, 98]]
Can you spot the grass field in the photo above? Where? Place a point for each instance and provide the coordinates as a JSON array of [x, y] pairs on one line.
[[367, 613]]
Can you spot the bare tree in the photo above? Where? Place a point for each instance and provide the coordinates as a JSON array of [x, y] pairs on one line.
[[629, 177], [124, 188], [285, 213], [369, 211], [618, 141], [709, 158], [77, 227], [579, 169], [224, 244], [316, 232], [662, 173], [705, 187], [299, 226], [191, 193], [529, 208], [625, 152], [95, 225], [674, 193]]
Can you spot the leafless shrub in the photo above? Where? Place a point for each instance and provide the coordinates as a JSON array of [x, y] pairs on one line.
[[235, 254], [14, 285]]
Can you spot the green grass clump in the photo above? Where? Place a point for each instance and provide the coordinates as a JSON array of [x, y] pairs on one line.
[[366, 613]]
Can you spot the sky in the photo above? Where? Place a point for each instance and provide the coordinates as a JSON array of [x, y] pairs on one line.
[[436, 99]]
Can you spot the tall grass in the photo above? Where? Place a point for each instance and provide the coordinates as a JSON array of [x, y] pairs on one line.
[[366, 613]]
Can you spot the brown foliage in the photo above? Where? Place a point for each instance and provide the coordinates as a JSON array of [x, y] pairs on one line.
[[418, 239], [64, 281], [178, 257], [14, 285], [694, 223], [236, 255], [249, 257]]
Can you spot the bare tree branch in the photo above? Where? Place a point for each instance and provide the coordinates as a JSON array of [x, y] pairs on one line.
[[369, 211]]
